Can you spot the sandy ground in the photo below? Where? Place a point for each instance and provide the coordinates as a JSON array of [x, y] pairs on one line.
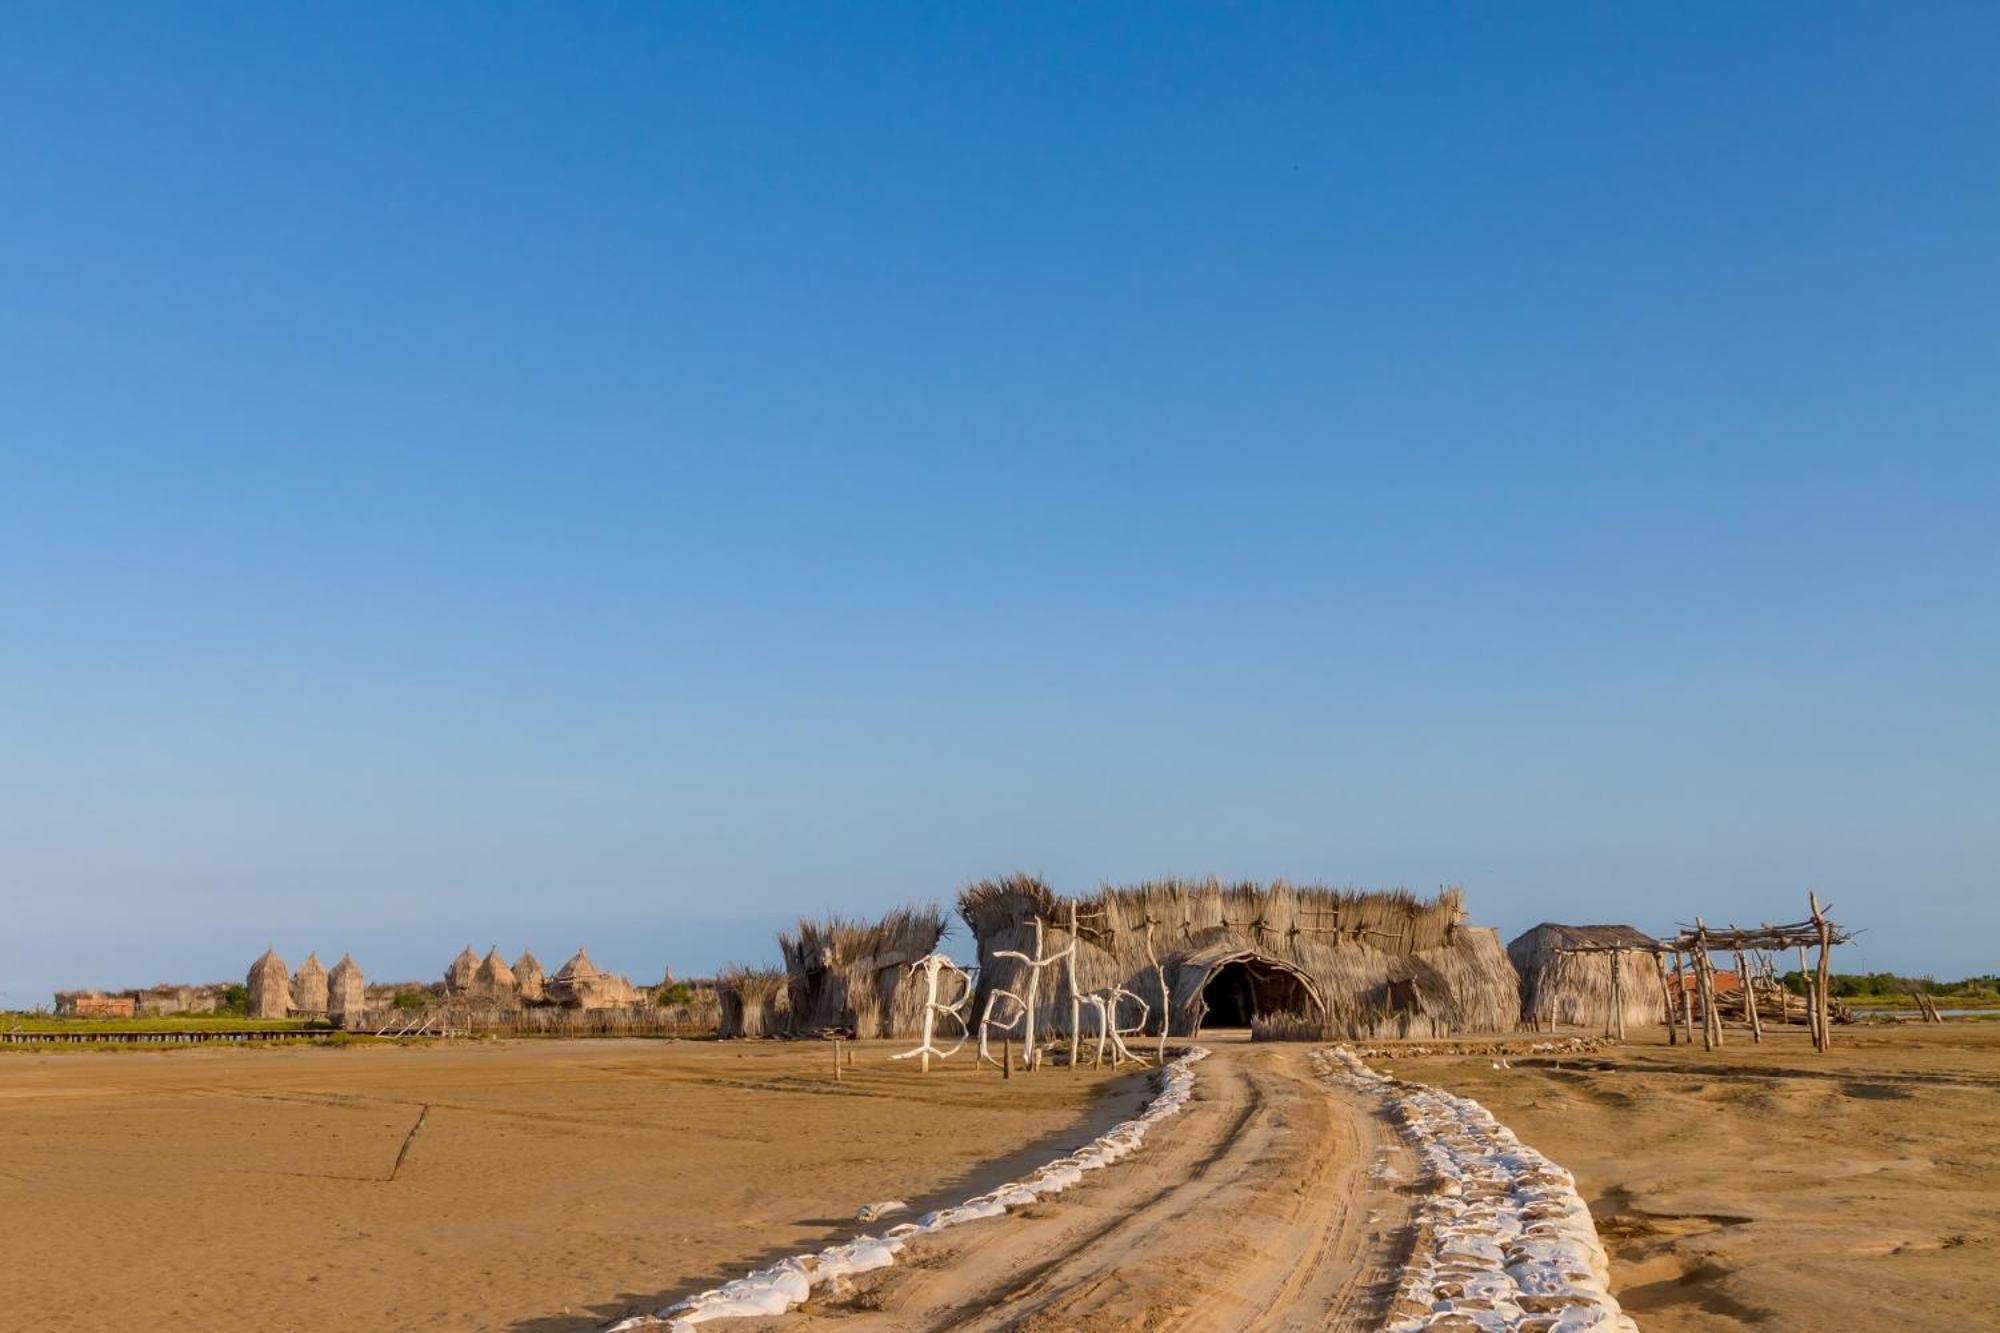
[[1772, 1186], [1256, 1209], [554, 1185]]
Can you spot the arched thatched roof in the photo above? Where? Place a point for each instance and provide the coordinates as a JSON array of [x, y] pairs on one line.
[[1192, 972]]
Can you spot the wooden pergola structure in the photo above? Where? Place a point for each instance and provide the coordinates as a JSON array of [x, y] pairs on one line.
[[1697, 944]]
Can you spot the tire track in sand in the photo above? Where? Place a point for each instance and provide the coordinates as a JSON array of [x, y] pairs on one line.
[[1255, 1210]]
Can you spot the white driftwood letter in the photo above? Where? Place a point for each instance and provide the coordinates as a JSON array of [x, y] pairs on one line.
[[933, 966]]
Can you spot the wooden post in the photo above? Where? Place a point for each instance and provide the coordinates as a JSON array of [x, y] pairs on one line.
[[1813, 1005], [1666, 994], [1075, 997], [1825, 974], [1686, 992], [1166, 996], [1704, 967], [1749, 998], [1617, 1001], [1006, 1057], [1034, 989], [836, 1059]]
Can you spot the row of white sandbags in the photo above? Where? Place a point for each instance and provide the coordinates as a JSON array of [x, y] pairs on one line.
[[787, 1283], [1504, 1240]]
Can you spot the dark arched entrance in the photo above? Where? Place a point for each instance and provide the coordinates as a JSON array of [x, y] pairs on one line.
[[1243, 989]]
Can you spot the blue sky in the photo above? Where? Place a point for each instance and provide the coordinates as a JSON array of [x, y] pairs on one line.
[[627, 475]]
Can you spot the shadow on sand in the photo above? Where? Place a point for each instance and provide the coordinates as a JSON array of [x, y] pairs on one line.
[[1120, 1100]]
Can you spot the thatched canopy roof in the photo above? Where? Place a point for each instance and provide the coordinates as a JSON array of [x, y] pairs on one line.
[[310, 967], [527, 965], [343, 970], [268, 964]]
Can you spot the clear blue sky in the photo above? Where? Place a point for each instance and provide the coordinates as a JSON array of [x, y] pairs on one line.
[[624, 475]]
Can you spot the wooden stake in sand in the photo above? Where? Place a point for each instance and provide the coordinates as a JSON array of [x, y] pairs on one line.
[[1166, 996], [1749, 996], [1825, 975], [1666, 993], [1075, 996], [836, 1059]]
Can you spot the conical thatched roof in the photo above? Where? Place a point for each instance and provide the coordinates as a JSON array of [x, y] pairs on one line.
[[578, 968], [269, 986], [347, 996], [528, 978], [494, 976], [309, 986], [462, 970]]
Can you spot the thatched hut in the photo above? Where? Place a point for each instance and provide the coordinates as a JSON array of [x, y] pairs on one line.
[[309, 988], [495, 980], [856, 976], [346, 993], [1347, 963], [527, 972], [1560, 987], [458, 977], [753, 1002], [269, 986]]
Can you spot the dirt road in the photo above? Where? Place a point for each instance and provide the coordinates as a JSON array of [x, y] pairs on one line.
[[1257, 1209]]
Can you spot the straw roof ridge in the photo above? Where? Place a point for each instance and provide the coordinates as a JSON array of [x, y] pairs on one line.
[[1567, 936]]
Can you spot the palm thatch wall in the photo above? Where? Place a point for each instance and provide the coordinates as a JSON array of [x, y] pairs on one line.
[[856, 976], [1574, 989], [1365, 964], [269, 986], [753, 1002]]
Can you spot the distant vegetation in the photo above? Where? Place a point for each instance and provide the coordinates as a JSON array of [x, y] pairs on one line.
[[1890, 988], [678, 993]]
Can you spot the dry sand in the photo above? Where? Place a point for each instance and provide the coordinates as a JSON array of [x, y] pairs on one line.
[[558, 1185], [1768, 1185], [554, 1186]]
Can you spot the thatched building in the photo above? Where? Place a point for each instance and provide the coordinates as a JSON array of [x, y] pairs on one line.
[[269, 986], [1566, 975], [458, 977], [309, 988], [855, 976], [346, 994], [1351, 963], [495, 980], [753, 1002], [579, 985], [527, 972]]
